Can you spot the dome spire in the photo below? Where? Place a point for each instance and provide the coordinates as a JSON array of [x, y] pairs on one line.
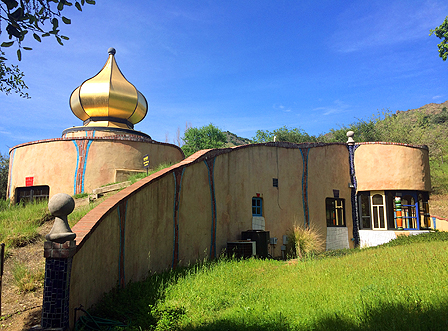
[[108, 99]]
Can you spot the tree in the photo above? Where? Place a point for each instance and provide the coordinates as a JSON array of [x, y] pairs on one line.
[[196, 139], [22, 17], [4, 170], [292, 135], [441, 32]]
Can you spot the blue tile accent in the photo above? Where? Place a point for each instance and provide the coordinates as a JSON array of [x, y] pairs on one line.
[[211, 181], [77, 164], [11, 161]]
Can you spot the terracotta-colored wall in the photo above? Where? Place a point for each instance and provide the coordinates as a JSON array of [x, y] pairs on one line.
[[54, 162], [392, 167]]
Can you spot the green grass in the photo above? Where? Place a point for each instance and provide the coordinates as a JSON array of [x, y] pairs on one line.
[[19, 224], [403, 287], [136, 177], [80, 212], [81, 195], [27, 280]]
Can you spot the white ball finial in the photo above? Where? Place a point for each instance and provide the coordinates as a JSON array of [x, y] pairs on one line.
[[350, 139]]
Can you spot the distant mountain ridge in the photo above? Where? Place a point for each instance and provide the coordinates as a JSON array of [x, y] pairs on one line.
[[234, 140], [428, 109]]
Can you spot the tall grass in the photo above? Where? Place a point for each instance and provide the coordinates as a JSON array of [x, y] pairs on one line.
[[27, 280], [19, 223], [404, 287], [304, 242], [81, 211]]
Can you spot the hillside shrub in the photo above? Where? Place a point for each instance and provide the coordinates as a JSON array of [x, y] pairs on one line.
[[304, 242]]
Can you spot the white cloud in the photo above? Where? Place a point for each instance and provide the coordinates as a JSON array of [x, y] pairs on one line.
[[337, 108], [282, 108], [437, 97]]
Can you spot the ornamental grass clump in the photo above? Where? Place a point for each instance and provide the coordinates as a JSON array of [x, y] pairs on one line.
[[304, 242]]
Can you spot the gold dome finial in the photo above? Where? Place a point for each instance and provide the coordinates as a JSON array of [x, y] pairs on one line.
[[108, 99]]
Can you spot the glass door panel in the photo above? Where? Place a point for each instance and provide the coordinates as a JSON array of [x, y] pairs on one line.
[[378, 211]]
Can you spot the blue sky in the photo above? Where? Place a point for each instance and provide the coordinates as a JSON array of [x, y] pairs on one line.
[[241, 65]]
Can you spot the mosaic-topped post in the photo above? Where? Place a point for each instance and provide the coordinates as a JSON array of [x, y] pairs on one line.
[[354, 198], [58, 251]]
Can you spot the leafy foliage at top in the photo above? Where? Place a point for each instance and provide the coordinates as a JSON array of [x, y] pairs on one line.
[[293, 135], [24, 18], [4, 170], [441, 32], [205, 137]]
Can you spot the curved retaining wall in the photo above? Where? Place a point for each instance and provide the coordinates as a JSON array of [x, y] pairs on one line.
[[76, 165], [189, 211]]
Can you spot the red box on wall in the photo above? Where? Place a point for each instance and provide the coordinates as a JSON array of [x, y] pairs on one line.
[[29, 181]]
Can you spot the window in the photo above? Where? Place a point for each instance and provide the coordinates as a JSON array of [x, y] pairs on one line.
[[335, 211], [409, 212], [257, 206], [364, 210], [423, 209], [378, 211], [32, 193]]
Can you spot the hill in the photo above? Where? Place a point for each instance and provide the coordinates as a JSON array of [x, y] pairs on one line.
[[234, 140]]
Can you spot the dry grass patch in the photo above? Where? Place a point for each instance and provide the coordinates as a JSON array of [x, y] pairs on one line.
[[304, 241], [438, 205]]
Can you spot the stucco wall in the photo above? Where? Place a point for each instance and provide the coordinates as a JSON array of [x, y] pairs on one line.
[[243, 173], [189, 211], [392, 167], [80, 165], [328, 170], [51, 163]]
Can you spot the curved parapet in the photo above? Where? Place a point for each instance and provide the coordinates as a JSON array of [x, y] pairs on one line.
[[75, 165], [189, 211], [390, 166]]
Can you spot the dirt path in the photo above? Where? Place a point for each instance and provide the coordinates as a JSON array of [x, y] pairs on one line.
[[20, 311]]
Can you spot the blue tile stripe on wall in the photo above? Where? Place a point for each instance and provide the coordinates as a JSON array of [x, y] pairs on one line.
[[354, 197], [304, 152], [211, 169], [121, 209], [11, 161], [178, 175]]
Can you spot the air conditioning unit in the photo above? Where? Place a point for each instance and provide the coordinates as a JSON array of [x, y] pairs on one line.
[[241, 249]]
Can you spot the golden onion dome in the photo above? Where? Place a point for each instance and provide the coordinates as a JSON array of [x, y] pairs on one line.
[[108, 99]]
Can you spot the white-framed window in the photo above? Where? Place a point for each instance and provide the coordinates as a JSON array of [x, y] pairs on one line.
[[378, 210]]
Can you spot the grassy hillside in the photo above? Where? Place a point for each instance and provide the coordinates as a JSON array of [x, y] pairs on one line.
[[385, 288], [234, 140]]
